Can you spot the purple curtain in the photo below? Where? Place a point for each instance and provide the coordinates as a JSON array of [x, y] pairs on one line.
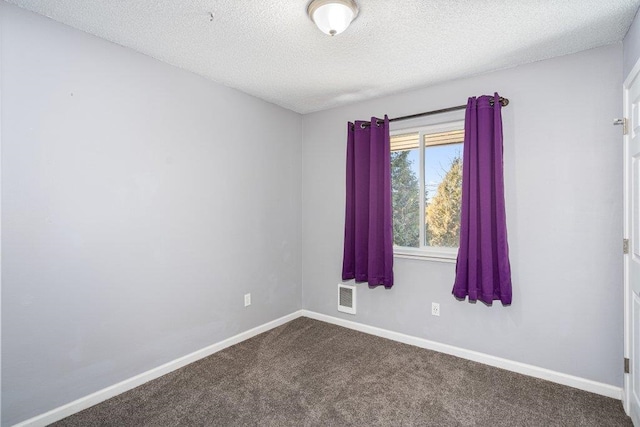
[[368, 238], [483, 271]]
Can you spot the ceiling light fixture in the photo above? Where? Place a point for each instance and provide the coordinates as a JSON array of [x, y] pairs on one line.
[[332, 16]]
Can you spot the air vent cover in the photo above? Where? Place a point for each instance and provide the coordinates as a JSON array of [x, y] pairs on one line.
[[347, 299]]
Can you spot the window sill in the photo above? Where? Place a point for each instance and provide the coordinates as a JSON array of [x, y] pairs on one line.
[[446, 255]]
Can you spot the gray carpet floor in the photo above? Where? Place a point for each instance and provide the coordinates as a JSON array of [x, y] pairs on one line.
[[311, 373]]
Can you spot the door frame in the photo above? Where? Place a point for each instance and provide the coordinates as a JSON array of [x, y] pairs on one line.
[[629, 80]]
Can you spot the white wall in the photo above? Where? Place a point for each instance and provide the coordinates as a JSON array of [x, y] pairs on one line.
[[631, 43], [563, 172], [139, 203]]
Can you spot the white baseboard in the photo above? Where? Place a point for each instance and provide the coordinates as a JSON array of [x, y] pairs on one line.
[[128, 384], [498, 362]]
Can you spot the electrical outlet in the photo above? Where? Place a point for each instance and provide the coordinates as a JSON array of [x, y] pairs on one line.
[[435, 309], [247, 300]]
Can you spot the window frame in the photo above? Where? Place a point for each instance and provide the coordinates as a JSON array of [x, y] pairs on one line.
[[426, 127]]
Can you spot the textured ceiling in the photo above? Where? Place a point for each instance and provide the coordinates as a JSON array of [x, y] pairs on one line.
[[272, 50]]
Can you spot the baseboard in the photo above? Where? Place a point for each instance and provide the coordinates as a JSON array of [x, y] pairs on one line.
[[498, 362], [128, 384]]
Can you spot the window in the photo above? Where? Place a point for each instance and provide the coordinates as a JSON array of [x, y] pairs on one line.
[[426, 177]]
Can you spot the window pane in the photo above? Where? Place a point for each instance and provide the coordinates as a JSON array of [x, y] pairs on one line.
[[443, 185], [405, 185]]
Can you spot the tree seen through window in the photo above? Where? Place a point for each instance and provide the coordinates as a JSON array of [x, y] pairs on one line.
[[441, 192]]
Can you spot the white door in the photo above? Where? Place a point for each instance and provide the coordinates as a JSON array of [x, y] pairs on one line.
[[632, 232]]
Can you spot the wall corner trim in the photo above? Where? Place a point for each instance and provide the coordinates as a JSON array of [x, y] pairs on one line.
[[487, 359], [85, 402]]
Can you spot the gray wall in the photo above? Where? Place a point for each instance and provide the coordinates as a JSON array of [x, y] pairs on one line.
[[563, 173], [139, 203], [631, 44]]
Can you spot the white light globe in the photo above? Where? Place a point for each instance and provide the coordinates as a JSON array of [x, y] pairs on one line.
[[332, 17]]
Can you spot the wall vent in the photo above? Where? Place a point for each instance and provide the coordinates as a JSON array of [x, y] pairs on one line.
[[347, 298]]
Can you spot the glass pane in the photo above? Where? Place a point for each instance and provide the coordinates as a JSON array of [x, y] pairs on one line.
[[405, 187], [443, 185]]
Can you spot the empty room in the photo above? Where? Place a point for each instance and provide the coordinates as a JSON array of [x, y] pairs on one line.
[[320, 213]]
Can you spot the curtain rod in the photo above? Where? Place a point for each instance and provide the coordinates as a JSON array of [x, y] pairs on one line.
[[503, 101]]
